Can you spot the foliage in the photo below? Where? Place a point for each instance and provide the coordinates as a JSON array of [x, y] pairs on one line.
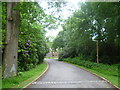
[[3, 22], [32, 46], [58, 39], [32, 41], [94, 20], [111, 69]]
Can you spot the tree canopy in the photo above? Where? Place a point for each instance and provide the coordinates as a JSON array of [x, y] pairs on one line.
[[93, 20]]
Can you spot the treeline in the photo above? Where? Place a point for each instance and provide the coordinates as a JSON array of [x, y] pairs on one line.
[[94, 20], [32, 46]]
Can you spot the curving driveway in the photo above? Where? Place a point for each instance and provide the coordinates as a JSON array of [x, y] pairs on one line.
[[63, 75]]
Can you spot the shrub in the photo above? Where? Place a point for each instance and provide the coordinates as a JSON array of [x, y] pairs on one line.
[[103, 68]]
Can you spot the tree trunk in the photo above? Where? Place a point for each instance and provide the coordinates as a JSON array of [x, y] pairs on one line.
[[11, 48]]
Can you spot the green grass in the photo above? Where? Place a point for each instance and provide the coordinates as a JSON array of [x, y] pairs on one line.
[[51, 57], [24, 78], [110, 72]]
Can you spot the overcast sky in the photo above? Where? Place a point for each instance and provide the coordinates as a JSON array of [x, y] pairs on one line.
[[72, 5]]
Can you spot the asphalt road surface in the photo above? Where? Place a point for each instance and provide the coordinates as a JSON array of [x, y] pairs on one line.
[[63, 75]]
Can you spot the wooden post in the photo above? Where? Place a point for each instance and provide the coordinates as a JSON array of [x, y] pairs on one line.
[[11, 42], [97, 51]]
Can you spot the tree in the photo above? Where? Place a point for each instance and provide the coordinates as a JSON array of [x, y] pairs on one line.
[[10, 53], [92, 20]]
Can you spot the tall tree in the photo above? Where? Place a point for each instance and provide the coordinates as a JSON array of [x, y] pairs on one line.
[[10, 54], [97, 20]]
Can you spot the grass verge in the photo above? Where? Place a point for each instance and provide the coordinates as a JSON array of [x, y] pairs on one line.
[[109, 72], [51, 58], [24, 78]]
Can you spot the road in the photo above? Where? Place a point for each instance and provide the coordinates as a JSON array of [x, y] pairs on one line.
[[64, 75]]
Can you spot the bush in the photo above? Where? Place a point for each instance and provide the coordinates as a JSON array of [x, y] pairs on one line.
[[103, 68]]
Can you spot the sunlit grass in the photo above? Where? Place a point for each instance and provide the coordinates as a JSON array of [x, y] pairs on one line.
[[24, 78], [51, 58]]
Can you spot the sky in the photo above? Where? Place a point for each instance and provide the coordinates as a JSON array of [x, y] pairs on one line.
[[72, 5]]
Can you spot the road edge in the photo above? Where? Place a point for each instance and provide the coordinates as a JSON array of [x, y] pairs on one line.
[[95, 75], [38, 76]]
